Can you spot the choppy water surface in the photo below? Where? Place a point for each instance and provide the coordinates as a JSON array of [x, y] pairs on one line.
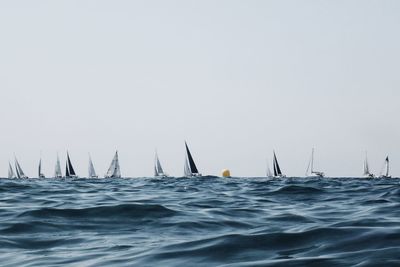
[[200, 222]]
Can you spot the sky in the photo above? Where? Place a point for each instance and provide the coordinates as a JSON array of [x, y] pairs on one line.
[[235, 79]]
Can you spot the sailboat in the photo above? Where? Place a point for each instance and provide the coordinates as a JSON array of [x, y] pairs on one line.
[[92, 172], [57, 171], [19, 171], [11, 174], [277, 169], [190, 169], [40, 174], [69, 170], [158, 170], [114, 170], [385, 169], [367, 173], [310, 172]]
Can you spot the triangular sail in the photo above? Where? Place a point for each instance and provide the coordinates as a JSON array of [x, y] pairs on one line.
[[11, 174], [70, 168], [277, 169], [366, 166], [158, 170], [67, 174], [192, 165], [20, 172], [114, 170], [57, 171], [92, 172]]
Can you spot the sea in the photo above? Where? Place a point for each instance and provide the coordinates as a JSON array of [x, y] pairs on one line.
[[204, 221]]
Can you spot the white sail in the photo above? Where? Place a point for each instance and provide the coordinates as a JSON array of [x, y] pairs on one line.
[[57, 172], [92, 172], [114, 171], [20, 172], [11, 174], [186, 169], [367, 173], [269, 172]]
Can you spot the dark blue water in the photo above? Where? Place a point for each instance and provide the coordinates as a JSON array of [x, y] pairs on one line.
[[200, 222]]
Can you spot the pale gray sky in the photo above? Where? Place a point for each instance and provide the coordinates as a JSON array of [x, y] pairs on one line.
[[234, 78]]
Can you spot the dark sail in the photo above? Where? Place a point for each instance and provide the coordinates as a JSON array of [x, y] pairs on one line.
[[66, 170], [71, 169], [278, 170], [275, 172], [192, 165]]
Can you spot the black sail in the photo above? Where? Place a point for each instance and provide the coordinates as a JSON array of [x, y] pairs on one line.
[[71, 169], [275, 172], [66, 170], [278, 170], [192, 165]]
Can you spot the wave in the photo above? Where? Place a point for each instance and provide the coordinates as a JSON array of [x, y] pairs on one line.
[[131, 211], [297, 189]]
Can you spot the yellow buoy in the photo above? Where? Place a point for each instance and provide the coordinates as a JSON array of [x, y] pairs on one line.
[[226, 173]]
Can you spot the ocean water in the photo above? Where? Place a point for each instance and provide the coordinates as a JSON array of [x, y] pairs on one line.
[[200, 222]]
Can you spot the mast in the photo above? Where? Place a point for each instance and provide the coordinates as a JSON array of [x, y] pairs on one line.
[[312, 161], [192, 165]]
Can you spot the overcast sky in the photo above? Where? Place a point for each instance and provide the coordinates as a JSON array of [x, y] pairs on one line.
[[235, 79]]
